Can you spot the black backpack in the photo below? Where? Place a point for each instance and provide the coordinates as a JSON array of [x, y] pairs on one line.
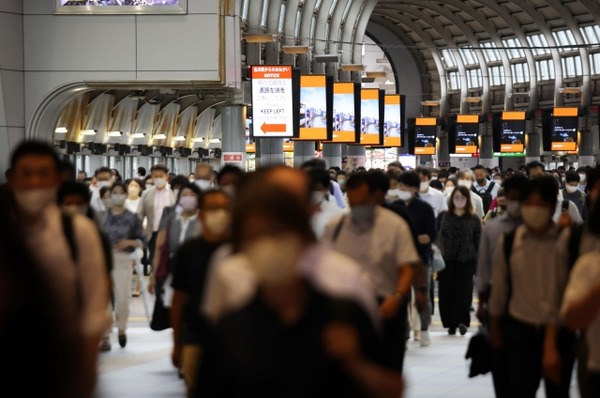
[[485, 195]]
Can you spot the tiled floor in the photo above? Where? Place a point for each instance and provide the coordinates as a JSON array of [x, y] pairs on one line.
[[143, 368]]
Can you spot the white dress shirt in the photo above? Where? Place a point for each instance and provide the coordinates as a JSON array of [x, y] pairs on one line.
[[162, 199], [436, 200]]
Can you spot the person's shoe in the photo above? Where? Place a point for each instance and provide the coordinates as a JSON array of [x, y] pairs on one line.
[[104, 346], [416, 335], [462, 329], [425, 340], [136, 293], [452, 331], [123, 340], [472, 309]]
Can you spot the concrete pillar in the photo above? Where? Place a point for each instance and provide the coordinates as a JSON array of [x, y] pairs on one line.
[[356, 156], [233, 127], [332, 154], [486, 152], [303, 151], [443, 150], [586, 148], [269, 152], [534, 144]]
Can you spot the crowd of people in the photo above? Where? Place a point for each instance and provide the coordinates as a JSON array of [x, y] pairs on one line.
[[303, 282]]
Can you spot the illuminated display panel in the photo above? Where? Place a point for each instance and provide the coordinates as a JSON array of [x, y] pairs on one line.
[[512, 132], [425, 135], [313, 108], [467, 132], [344, 113], [370, 127], [392, 125], [272, 101]]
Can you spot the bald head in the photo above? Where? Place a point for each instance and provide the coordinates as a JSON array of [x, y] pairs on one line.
[[203, 172]]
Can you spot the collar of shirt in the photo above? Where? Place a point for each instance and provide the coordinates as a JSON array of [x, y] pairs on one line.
[[485, 186]]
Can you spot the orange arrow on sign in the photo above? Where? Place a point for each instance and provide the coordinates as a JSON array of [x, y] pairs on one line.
[[273, 128]]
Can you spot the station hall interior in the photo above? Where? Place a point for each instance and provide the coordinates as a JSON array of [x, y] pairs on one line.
[[359, 83]]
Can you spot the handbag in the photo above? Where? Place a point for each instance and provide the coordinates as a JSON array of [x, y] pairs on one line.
[[437, 262], [480, 353], [160, 314]]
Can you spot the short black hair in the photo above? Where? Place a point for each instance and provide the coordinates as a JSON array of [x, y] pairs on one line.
[[480, 167], [230, 169], [572, 176], [179, 181], [452, 170], [141, 171], [546, 186], [436, 184], [116, 185], [140, 182], [378, 181], [426, 171], [341, 173], [356, 180], [195, 188], [73, 188], [443, 173], [517, 182], [533, 165], [593, 176], [319, 177], [314, 163], [410, 179], [102, 169], [66, 166], [35, 148], [159, 167]]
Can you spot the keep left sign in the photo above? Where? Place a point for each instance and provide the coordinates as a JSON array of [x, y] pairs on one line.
[[272, 101]]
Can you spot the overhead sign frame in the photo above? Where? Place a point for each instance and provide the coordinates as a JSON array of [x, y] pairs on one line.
[[275, 99], [315, 108], [466, 134], [512, 132], [423, 136], [371, 116]]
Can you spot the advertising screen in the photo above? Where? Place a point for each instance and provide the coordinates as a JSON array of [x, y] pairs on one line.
[[392, 125], [313, 108], [467, 131], [344, 113], [564, 133], [425, 136], [512, 132], [272, 101], [370, 126], [120, 6]]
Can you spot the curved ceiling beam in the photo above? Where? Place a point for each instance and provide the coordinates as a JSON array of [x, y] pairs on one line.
[[437, 59], [450, 43], [271, 15], [520, 35], [321, 32], [470, 35], [335, 28], [350, 54], [290, 28], [253, 50], [304, 36], [361, 27], [586, 97], [593, 8]]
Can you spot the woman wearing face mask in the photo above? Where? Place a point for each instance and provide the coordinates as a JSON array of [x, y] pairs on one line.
[[176, 227], [460, 231], [125, 233], [449, 187], [190, 268], [134, 193]]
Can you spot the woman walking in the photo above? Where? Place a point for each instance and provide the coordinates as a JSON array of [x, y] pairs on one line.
[[460, 230]]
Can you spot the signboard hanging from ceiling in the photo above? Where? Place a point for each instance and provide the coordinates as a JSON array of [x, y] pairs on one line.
[[273, 114], [466, 134], [316, 100], [346, 111], [565, 123], [423, 137], [394, 121], [512, 132]]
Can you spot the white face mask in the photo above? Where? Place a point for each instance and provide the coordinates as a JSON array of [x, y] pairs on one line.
[[204, 185], [513, 208], [404, 195], [229, 190], [393, 194], [449, 190], [535, 217], [176, 193], [498, 181], [133, 191], [582, 178], [160, 183], [459, 202], [188, 203], [424, 186], [33, 201], [217, 221], [102, 184], [465, 183], [118, 199], [571, 189], [107, 202], [274, 260]]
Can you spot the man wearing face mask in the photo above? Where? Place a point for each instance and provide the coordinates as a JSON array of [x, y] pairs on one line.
[[423, 221], [72, 262], [530, 271], [203, 176], [153, 202], [464, 178], [492, 230], [325, 207], [230, 178], [103, 177], [435, 198], [190, 327], [389, 267], [573, 193], [488, 190]]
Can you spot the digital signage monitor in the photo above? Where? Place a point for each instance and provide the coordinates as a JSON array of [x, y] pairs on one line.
[[346, 112], [467, 134], [371, 126]]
